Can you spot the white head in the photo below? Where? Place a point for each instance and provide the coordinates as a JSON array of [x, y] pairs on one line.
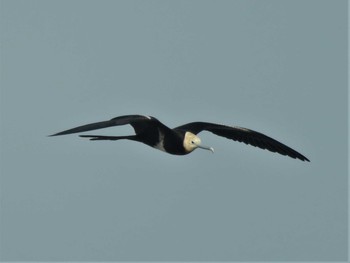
[[192, 142]]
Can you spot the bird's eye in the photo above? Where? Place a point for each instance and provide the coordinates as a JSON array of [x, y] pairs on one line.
[[192, 142]]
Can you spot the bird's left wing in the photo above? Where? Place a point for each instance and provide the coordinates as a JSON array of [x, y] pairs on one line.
[[247, 136], [133, 120]]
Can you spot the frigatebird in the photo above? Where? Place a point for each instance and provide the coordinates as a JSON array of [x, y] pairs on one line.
[[183, 139]]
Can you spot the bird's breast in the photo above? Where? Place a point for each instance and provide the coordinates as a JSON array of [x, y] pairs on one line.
[[169, 142], [160, 144]]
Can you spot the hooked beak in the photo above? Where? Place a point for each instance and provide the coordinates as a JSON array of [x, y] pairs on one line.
[[206, 148]]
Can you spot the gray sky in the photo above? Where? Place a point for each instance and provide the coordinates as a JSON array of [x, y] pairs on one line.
[[278, 67]]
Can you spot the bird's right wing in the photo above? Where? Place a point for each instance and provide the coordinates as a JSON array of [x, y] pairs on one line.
[[137, 121], [244, 135]]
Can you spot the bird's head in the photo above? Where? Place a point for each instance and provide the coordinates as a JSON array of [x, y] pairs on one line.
[[192, 142]]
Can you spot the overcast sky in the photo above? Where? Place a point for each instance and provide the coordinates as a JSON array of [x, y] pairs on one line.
[[278, 67]]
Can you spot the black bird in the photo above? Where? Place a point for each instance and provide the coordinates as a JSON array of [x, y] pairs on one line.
[[183, 139]]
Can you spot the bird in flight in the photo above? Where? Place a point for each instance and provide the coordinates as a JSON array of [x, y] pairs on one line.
[[183, 139]]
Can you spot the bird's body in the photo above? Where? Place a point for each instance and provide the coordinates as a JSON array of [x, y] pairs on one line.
[[183, 139]]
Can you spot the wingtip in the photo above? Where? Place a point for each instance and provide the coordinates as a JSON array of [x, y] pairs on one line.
[[303, 158], [52, 135]]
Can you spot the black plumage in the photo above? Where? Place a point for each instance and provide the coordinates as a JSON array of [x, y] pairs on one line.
[[182, 140]]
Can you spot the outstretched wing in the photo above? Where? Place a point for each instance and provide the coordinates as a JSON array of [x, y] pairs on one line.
[[138, 122], [247, 136]]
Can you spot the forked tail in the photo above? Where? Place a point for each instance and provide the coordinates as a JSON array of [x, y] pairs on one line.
[[110, 138]]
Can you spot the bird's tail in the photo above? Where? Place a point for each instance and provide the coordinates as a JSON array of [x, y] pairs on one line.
[[110, 138]]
